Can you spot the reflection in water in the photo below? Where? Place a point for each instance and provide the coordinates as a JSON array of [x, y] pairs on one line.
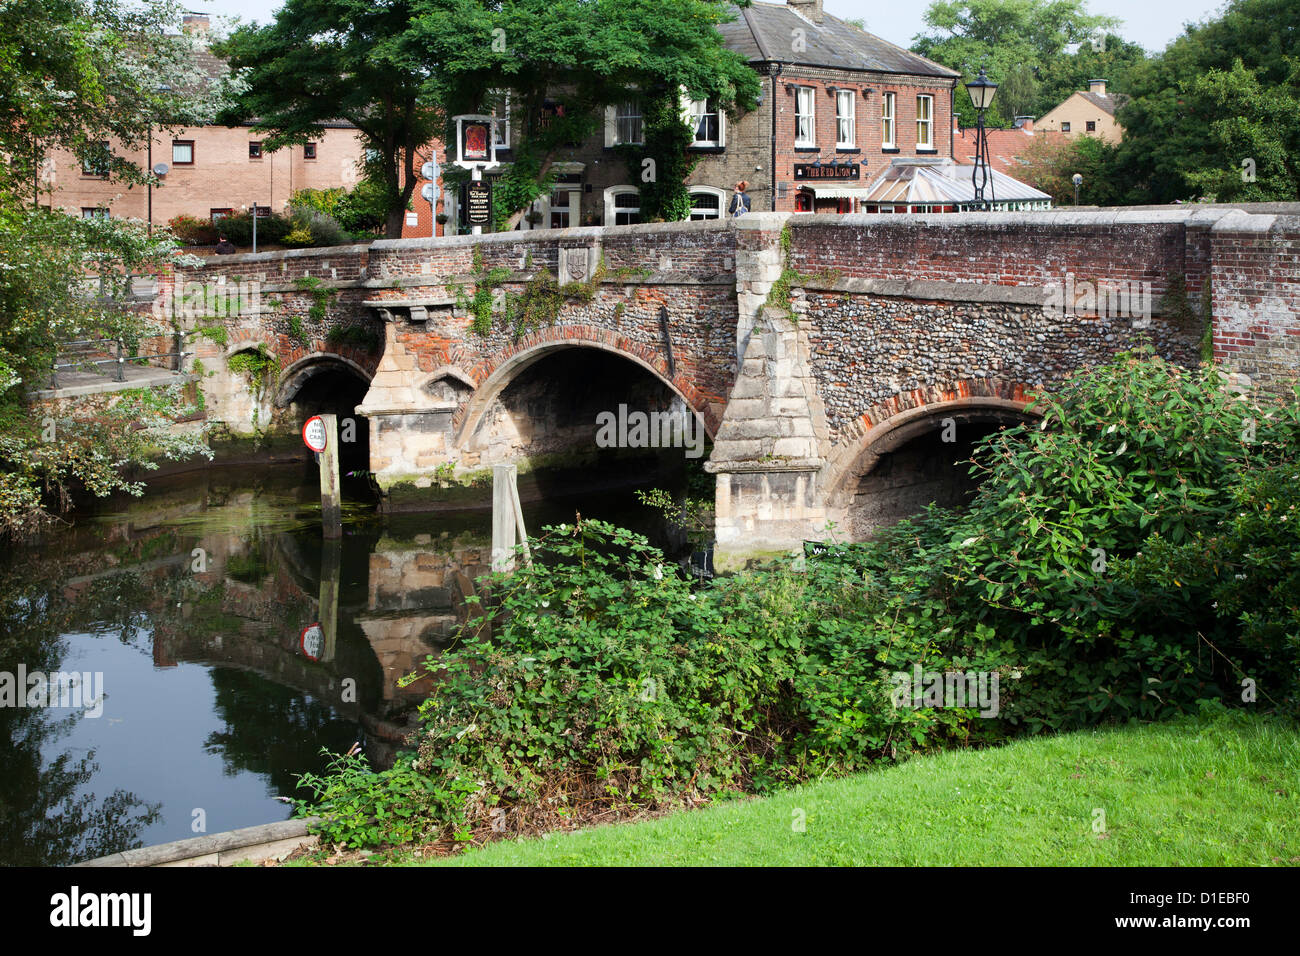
[[195, 605]]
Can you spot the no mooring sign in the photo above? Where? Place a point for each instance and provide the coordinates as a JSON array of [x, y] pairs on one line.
[[313, 434]]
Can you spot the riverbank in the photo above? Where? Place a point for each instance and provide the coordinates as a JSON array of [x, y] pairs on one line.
[[1196, 792]]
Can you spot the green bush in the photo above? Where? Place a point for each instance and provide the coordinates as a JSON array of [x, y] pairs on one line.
[[1132, 554], [271, 229], [193, 231]]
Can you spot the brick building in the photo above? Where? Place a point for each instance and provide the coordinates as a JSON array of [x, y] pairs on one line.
[[837, 106], [211, 170]]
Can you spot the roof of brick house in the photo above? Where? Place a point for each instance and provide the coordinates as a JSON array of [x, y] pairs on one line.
[[762, 32], [1006, 146]]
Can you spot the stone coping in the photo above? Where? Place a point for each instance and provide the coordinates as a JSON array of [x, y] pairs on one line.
[[221, 849]]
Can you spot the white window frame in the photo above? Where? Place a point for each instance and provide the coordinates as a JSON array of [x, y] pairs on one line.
[[888, 122], [926, 123], [501, 125], [98, 165], [544, 206], [705, 213], [846, 121], [809, 95], [615, 115], [697, 110], [611, 210]]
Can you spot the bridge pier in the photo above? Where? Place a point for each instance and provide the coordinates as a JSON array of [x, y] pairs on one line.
[[772, 447]]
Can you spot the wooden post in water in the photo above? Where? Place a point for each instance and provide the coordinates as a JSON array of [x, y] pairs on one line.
[[330, 494], [331, 565], [507, 518]]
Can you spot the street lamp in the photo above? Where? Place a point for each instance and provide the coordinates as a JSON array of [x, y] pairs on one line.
[[1078, 181], [981, 91]]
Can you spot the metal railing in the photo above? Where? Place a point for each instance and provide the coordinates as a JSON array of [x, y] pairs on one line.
[[116, 358]]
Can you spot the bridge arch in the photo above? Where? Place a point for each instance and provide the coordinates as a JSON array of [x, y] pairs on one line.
[[497, 373], [303, 370], [868, 477]]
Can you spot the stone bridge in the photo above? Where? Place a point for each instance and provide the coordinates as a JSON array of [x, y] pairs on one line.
[[823, 355]]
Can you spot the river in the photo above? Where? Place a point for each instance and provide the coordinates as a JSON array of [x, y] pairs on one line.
[[206, 691]]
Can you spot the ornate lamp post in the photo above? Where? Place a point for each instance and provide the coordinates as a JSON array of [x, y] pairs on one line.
[[981, 91], [1078, 181]]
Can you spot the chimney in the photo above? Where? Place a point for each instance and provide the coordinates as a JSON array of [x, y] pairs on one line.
[[808, 9], [1025, 124], [1097, 86], [195, 23]]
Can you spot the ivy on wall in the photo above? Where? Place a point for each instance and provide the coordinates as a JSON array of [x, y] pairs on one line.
[[659, 168]]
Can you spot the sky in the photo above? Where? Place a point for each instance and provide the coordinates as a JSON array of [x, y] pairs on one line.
[[1152, 23]]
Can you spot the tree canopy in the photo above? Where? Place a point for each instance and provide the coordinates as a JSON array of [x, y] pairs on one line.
[[1224, 92], [1027, 47], [399, 71], [73, 74]]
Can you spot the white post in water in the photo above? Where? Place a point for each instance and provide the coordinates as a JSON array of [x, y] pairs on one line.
[[507, 518]]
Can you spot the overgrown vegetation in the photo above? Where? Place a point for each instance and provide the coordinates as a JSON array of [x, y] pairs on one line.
[[74, 75], [1134, 554], [537, 306]]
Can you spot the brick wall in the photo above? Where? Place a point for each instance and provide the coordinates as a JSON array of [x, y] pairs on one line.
[[1030, 249], [223, 175], [869, 90], [1255, 281]]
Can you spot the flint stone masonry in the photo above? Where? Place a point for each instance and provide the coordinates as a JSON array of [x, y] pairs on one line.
[[894, 322]]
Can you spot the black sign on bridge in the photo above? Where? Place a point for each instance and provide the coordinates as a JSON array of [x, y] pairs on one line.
[[478, 203]]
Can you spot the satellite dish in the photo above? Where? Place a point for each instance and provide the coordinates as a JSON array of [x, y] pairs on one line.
[[160, 169], [429, 171], [429, 191]]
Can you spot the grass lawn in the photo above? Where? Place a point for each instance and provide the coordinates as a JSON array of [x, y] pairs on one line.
[[1192, 793]]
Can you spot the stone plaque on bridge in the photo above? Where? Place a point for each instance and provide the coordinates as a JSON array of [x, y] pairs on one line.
[[578, 264]]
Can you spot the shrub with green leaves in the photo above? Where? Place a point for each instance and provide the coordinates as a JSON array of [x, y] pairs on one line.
[[1131, 553]]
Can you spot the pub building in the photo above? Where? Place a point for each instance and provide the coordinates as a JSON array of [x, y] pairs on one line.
[[837, 107]]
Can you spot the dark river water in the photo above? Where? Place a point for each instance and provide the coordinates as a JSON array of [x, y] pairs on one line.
[[206, 691]]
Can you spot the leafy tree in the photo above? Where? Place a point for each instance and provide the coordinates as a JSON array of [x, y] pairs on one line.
[[585, 53], [1019, 43], [77, 73], [330, 60], [1106, 56], [1194, 112], [1050, 163], [1259, 128], [74, 74]]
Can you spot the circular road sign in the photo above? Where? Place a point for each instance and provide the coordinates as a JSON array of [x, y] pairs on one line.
[[313, 434], [312, 641]]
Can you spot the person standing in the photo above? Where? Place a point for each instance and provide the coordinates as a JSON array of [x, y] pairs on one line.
[[739, 204]]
